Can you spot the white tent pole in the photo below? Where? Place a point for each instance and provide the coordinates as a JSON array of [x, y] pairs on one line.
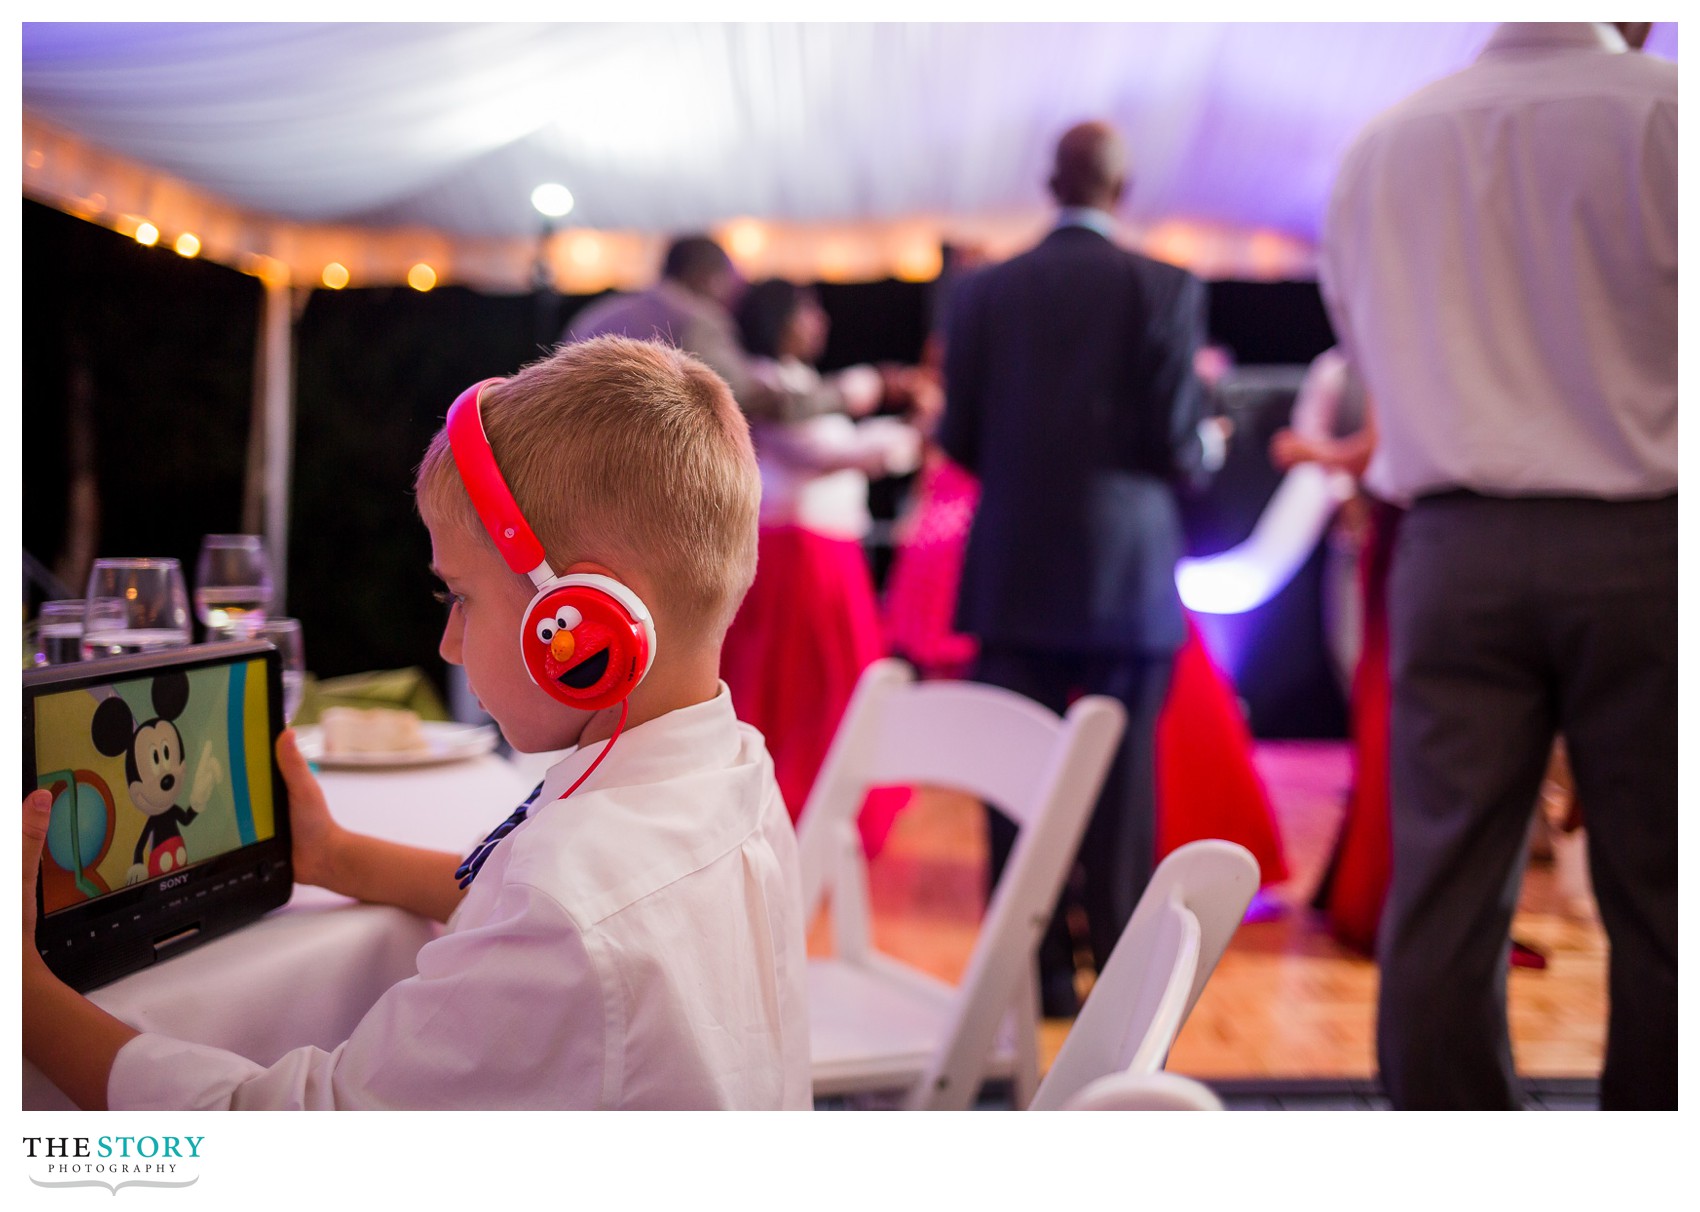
[[277, 389]]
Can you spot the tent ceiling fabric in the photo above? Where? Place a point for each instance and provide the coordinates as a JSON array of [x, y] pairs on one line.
[[662, 128]]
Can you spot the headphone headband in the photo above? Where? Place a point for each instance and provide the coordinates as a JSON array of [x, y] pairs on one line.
[[491, 496]]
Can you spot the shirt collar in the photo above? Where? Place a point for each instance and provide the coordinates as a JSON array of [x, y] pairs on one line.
[[684, 740], [1555, 35], [1090, 217]]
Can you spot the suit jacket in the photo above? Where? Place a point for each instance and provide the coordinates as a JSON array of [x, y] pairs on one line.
[[1071, 394], [668, 312]]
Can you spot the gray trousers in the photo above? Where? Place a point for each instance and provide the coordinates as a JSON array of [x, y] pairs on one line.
[[1514, 620]]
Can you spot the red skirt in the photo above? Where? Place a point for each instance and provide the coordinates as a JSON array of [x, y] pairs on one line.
[[1363, 858], [1207, 785], [805, 631], [920, 593]]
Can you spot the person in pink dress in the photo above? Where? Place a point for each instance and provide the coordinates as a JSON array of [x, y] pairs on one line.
[[809, 624]]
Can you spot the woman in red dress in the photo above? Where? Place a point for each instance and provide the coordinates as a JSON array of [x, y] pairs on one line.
[[809, 624]]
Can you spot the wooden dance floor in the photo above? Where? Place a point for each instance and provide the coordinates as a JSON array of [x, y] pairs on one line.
[[1287, 1002]]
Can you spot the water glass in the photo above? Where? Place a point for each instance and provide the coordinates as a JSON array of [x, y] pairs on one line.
[[233, 584], [284, 635], [56, 636], [135, 605]]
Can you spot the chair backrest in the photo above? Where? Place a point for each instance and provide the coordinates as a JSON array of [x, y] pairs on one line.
[[1042, 771], [1196, 899], [1145, 1092]]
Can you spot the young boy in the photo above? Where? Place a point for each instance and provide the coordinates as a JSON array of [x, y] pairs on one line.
[[638, 944]]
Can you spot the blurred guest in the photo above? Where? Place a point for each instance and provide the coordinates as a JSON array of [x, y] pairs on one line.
[[1214, 365], [1354, 883], [1334, 428], [691, 307], [809, 624], [1329, 425], [1071, 395], [1500, 261], [919, 608]]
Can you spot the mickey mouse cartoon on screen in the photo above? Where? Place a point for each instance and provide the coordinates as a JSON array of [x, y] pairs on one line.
[[155, 767]]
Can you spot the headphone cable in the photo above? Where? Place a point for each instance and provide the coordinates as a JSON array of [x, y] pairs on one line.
[[618, 725]]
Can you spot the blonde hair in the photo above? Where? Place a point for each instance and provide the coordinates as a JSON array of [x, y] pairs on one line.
[[626, 453]]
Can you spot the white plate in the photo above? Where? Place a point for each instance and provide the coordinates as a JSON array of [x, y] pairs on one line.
[[444, 742]]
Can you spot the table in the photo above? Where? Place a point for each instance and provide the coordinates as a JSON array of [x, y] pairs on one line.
[[307, 972]]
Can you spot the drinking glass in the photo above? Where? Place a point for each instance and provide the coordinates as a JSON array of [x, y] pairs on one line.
[[56, 637], [285, 635], [135, 605], [233, 584]]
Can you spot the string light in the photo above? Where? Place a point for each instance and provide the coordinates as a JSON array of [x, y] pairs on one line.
[[920, 261], [746, 238], [147, 233], [422, 277], [835, 262], [188, 245], [335, 275], [585, 249]]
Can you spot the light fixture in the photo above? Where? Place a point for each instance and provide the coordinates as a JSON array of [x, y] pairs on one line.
[[335, 275], [188, 245], [746, 238], [919, 261], [585, 249], [147, 233], [552, 200], [422, 277]]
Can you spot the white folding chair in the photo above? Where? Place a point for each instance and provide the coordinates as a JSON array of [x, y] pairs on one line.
[[1144, 1092], [878, 1025], [1170, 946]]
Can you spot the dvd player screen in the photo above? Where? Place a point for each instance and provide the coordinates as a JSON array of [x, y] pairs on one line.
[[150, 775]]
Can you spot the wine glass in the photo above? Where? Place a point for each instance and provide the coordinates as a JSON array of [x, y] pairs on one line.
[[56, 637], [284, 635], [233, 584], [135, 605]]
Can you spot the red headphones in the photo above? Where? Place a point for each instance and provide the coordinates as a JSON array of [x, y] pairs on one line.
[[586, 639]]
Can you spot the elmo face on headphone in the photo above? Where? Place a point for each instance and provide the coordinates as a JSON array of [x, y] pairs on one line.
[[582, 647]]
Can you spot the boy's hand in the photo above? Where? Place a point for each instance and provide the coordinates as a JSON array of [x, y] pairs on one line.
[[64, 1034], [314, 836], [38, 807]]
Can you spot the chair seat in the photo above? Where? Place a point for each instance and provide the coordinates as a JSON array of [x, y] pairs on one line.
[[874, 1027]]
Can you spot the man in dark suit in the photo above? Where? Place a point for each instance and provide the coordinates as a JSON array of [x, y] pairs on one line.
[[1070, 393]]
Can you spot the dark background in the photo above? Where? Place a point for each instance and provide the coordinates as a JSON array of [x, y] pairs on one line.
[[164, 349]]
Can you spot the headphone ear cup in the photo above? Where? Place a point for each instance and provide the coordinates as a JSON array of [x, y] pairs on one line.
[[583, 646]]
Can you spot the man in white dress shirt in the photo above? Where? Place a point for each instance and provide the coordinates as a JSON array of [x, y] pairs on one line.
[[634, 943], [1499, 258]]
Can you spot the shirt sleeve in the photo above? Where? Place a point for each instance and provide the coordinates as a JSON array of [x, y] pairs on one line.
[[509, 1013]]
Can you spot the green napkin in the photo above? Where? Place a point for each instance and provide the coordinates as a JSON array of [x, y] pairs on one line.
[[408, 688]]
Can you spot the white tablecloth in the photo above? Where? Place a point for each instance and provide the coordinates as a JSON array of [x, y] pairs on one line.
[[307, 972]]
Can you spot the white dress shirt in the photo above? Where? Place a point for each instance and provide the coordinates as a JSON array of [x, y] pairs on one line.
[[814, 472], [637, 945], [1499, 259]]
